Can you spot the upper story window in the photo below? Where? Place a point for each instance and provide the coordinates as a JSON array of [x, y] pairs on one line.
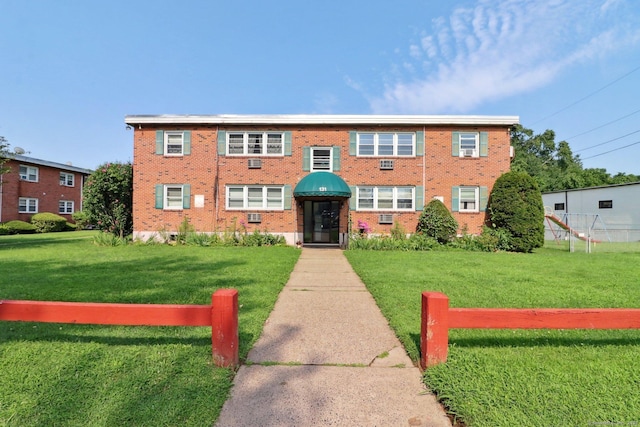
[[385, 144], [385, 198], [173, 143], [469, 144], [27, 205], [255, 197], [66, 179], [255, 143], [321, 159], [28, 173]]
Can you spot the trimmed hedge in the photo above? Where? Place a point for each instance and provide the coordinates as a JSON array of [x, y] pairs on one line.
[[516, 207], [19, 227], [437, 222], [47, 222]]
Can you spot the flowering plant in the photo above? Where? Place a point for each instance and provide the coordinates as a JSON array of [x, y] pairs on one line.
[[363, 226]]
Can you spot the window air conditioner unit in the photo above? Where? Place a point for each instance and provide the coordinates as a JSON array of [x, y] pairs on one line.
[[468, 152], [255, 163], [385, 219], [386, 164], [254, 217]]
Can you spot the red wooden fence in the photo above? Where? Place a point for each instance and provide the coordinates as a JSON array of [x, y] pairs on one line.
[[221, 315], [438, 318]]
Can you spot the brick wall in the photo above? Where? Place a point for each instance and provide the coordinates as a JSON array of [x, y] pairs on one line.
[[47, 190], [208, 174]]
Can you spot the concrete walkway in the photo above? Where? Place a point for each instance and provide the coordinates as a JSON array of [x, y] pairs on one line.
[[327, 357]]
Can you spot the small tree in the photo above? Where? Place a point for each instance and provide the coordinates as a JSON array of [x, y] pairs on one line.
[[5, 155], [516, 206], [108, 198], [436, 221]]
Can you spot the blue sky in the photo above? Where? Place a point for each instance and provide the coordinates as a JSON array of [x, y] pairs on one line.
[[71, 70]]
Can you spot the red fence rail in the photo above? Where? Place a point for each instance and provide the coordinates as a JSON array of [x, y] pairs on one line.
[[221, 315], [438, 318]]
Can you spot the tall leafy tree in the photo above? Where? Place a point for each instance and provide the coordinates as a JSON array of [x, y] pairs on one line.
[[5, 155], [108, 198]]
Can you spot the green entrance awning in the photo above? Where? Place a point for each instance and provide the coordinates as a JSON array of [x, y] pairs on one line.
[[321, 184]]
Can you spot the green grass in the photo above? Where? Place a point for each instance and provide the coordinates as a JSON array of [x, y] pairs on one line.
[[520, 377], [77, 375]]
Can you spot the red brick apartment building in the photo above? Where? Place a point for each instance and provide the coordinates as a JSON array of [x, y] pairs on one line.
[[312, 177], [33, 185]]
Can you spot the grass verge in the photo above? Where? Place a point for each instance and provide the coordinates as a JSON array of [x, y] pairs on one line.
[[61, 374], [519, 377]]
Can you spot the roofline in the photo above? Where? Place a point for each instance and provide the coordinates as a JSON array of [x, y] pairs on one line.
[[40, 162], [315, 119], [592, 188]]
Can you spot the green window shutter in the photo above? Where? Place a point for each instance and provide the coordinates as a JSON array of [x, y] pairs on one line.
[[159, 196], [420, 143], [455, 144], [353, 143], [186, 142], [336, 158], [352, 200], [484, 144], [159, 142], [287, 196], [222, 142], [484, 198], [419, 197], [455, 199], [186, 196], [306, 158], [287, 143]]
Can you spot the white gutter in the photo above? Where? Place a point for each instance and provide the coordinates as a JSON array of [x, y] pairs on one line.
[[312, 119]]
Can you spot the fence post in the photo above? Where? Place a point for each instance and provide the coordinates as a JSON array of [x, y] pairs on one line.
[[434, 330], [224, 327]]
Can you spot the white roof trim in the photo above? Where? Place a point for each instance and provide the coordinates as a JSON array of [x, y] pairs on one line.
[[39, 162], [312, 119]]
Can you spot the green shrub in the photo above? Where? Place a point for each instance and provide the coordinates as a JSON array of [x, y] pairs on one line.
[[398, 231], [415, 242], [109, 239], [202, 239], [437, 222], [20, 227], [81, 219], [261, 239], [4, 230], [47, 222], [516, 207]]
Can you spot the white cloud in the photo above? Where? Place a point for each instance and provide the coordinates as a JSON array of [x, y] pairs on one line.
[[498, 49]]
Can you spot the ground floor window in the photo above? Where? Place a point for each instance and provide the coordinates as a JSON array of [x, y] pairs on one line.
[[27, 205], [255, 197], [469, 199], [65, 207], [385, 198], [173, 196]]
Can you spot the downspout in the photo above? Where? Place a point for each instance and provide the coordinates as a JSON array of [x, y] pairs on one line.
[[424, 164], [216, 182], [1, 178]]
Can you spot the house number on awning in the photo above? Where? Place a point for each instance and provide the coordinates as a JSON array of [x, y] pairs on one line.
[[323, 188]]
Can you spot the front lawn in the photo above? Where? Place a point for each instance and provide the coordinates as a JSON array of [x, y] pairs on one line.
[[519, 377], [77, 375]]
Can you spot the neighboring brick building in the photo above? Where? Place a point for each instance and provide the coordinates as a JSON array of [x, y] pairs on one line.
[[307, 176], [32, 186]]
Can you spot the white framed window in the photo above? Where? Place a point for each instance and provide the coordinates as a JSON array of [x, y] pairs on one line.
[[255, 143], [385, 198], [28, 173], [255, 197], [66, 179], [173, 196], [321, 159], [469, 199], [386, 144], [65, 206], [469, 146], [27, 205], [173, 143]]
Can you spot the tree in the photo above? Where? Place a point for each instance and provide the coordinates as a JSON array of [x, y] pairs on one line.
[[108, 198], [436, 221], [5, 155], [516, 206]]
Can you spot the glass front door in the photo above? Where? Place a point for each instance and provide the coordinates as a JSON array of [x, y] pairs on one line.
[[321, 221]]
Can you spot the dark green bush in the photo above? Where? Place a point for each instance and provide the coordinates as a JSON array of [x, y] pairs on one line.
[[516, 208], [437, 222], [20, 227], [81, 219], [47, 222]]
